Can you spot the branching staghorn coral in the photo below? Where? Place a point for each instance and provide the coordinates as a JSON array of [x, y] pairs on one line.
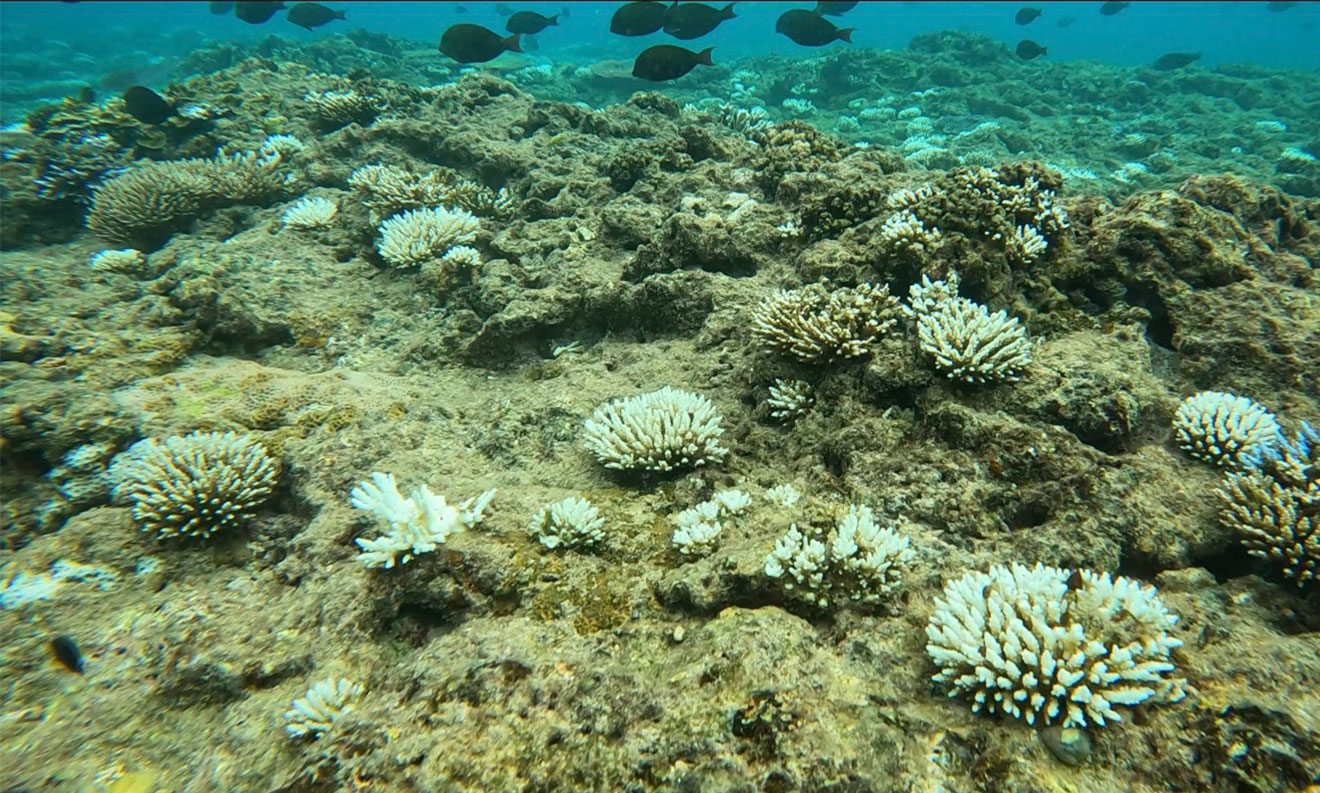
[[417, 236], [389, 190], [310, 213], [334, 109], [570, 523], [418, 524], [1056, 645], [662, 430], [859, 560], [315, 712], [145, 204], [965, 340], [818, 325], [1224, 429]]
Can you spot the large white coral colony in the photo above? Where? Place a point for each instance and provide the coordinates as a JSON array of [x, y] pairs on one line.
[[418, 524], [1050, 644], [1222, 428], [660, 431]]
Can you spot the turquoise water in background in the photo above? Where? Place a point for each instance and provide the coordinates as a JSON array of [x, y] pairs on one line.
[[73, 39]]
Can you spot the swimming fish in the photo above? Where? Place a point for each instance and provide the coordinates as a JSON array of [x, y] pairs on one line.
[[833, 9], [1109, 9], [1025, 16], [694, 20], [529, 22], [638, 19], [220, 9], [810, 30], [146, 105], [66, 651], [1028, 49], [312, 15], [1065, 22], [254, 13], [1175, 60], [1276, 6], [474, 44], [667, 62]]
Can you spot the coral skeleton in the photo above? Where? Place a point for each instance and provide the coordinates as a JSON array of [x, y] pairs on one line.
[[818, 325], [1223, 429], [310, 213], [790, 400], [659, 431], [194, 485], [418, 524], [315, 712], [1274, 504], [420, 235], [859, 560], [1053, 645], [570, 523]]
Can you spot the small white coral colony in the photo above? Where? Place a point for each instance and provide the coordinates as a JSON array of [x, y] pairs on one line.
[[121, 261], [194, 485], [418, 524], [315, 712], [859, 560], [699, 528], [310, 213], [1050, 644], [790, 400], [1223, 429], [572, 523], [419, 235], [966, 341], [818, 325], [659, 431], [1274, 504]]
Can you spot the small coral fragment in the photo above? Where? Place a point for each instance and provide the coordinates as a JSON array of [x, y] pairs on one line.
[[315, 712], [418, 524], [570, 523]]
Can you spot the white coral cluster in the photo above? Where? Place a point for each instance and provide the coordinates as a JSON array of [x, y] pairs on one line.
[[315, 712], [1223, 429], [903, 231], [310, 213], [662, 430], [966, 341], [419, 235], [785, 495], [570, 523], [819, 325], [1025, 244], [790, 400], [127, 260], [699, 527], [418, 524], [910, 198], [194, 485], [1274, 504], [337, 108], [1053, 644], [859, 560]]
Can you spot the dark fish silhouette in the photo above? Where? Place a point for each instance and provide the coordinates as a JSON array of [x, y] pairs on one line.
[[66, 651], [312, 15], [1028, 49], [146, 105], [638, 19], [833, 9], [220, 9], [1109, 9], [667, 62], [474, 44], [256, 13], [460, 9], [529, 22], [694, 20], [1025, 16], [503, 10], [1175, 60], [1065, 22], [1275, 6], [810, 30]]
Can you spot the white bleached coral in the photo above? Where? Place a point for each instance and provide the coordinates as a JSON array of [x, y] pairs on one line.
[[1223, 429], [194, 485], [662, 430], [699, 527], [419, 235], [119, 261], [904, 231], [310, 213], [1053, 645], [859, 560], [315, 712], [418, 524], [966, 341], [790, 400], [570, 523]]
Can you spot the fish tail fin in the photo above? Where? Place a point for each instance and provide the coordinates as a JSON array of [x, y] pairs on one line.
[[727, 13], [340, 15], [703, 57], [1044, 50], [554, 20], [844, 34], [512, 43]]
